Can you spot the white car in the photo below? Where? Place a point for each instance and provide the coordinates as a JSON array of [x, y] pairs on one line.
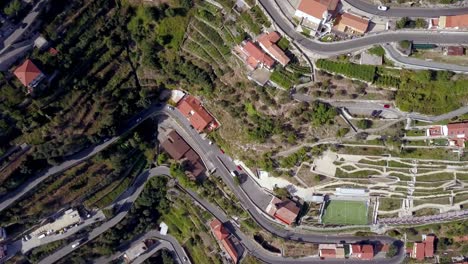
[[382, 8], [76, 244], [211, 143]]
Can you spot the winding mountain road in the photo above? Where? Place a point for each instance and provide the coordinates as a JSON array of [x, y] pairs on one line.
[[345, 46], [408, 11]]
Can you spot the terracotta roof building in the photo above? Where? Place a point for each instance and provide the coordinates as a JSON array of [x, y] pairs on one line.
[[455, 51], [218, 229], [29, 75], [222, 235], [454, 22], [331, 251], [268, 43], [194, 111], [286, 211], [365, 252], [352, 24], [418, 251], [429, 246], [178, 149], [424, 249], [458, 130], [255, 57], [316, 10]]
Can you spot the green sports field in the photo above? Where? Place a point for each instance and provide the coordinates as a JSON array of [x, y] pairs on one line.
[[339, 212]]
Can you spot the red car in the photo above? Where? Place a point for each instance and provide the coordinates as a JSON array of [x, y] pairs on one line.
[[222, 151], [386, 106], [239, 167]]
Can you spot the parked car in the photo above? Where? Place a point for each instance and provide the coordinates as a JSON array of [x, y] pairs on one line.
[[76, 244], [382, 8], [386, 106]]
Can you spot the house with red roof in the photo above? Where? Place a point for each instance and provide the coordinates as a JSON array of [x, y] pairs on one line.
[[365, 252], [194, 111], [457, 134], [222, 235], [453, 22], [316, 11], [254, 56], [29, 75], [352, 24], [285, 211], [424, 249], [327, 251], [267, 42]]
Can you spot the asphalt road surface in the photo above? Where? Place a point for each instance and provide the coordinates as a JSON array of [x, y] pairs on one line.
[[406, 12], [336, 48], [413, 63], [127, 198]]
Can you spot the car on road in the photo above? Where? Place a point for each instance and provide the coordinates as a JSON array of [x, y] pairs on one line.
[[185, 259], [382, 8], [26, 237], [138, 120], [239, 167], [386, 106], [234, 173], [75, 245], [222, 151], [210, 143], [170, 107]]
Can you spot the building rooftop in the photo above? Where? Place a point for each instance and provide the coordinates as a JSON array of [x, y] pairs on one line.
[[193, 110], [316, 8], [419, 250], [286, 211], [429, 246], [27, 72], [257, 55], [455, 51], [354, 22], [219, 230], [268, 42], [459, 21], [175, 145]]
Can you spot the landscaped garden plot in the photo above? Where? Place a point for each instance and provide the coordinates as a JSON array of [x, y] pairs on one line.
[[444, 176], [345, 213], [389, 204]]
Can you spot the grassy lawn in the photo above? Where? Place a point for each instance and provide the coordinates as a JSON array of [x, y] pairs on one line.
[[398, 164], [345, 213], [412, 133], [358, 174], [435, 154], [388, 204], [438, 200], [445, 176], [373, 162]]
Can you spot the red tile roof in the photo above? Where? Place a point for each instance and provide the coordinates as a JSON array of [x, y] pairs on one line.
[[455, 51], [385, 248], [218, 229], [354, 22], [460, 21], [287, 211], [316, 8], [53, 51], [192, 109], [367, 252], [435, 131], [429, 246], [231, 250], [27, 72], [356, 248], [268, 39], [419, 248], [455, 129], [257, 54], [327, 253], [268, 42]]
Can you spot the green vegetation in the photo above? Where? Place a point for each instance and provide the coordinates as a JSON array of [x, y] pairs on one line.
[[283, 43], [443, 176], [284, 78], [145, 215], [294, 159], [389, 204], [345, 213], [364, 123], [412, 133], [342, 132], [377, 50], [358, 174], [362, 72], [404, 44], [41, 252], [13, 8]]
